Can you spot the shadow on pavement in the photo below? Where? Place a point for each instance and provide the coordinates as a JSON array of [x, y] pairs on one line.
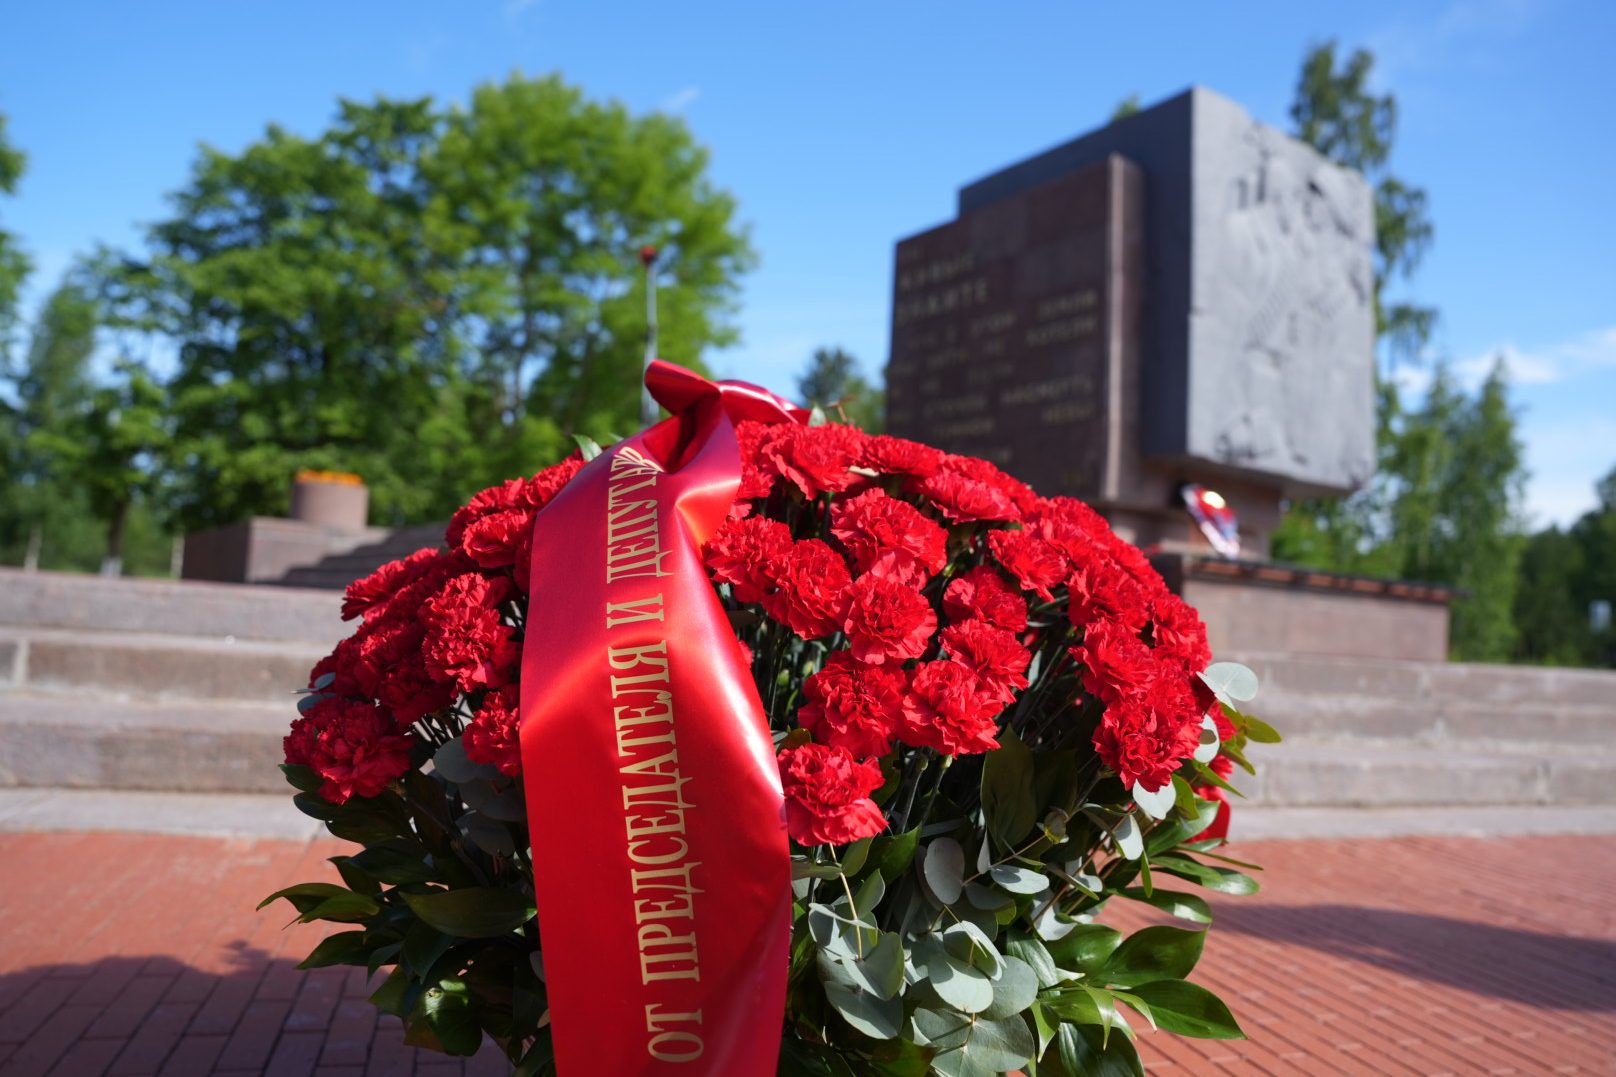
[[158, 1015], [1561, 972]]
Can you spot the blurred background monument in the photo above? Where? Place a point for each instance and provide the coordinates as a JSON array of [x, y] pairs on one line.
[[1182, 298]]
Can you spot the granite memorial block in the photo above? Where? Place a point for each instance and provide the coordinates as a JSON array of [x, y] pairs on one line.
[[1185, 295]]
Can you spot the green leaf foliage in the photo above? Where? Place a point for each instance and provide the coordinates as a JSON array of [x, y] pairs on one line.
[[1152, 953], [434, 296], [473, 912], [1188, 1009]]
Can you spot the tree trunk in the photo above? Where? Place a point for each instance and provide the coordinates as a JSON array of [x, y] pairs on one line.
[[112, 565]]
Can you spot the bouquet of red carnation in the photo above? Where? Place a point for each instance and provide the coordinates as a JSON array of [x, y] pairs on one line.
[[987, 717]]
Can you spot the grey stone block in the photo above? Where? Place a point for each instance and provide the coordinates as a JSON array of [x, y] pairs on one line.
[[174, 607], [158, 667], [1339, 776], [1258, 272], [89, 742]]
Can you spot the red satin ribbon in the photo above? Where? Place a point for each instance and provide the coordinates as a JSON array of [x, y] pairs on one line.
[[653, 798]]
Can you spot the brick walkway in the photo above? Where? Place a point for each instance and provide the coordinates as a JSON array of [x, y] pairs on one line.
[[130, 954]]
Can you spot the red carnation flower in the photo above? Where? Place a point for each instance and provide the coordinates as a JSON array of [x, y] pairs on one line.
[[491, 735], [390, 669], [299, 743], [1178, 634], [1102, 590], [740, 550], [465, 642], [828, 795], [358, 751], [811, 584], [873, 524], [341, 664], [818, 459], [1116, 663], [757, 477], [992, 653], [897, 456], [1036, 564], [948, 708], [887, 619], [963, 499], [853, 705], [361, 596], [982, 592], [530, 494], [1147, 735], [494, 540]]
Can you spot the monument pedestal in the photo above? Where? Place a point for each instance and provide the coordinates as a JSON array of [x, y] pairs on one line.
[[1258, 607]]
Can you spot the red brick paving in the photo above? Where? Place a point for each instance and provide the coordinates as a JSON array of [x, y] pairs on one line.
[[135, 954]]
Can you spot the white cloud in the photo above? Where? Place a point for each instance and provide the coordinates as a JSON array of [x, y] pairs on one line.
[[1414, 43], [1562, 361], [678, 102]]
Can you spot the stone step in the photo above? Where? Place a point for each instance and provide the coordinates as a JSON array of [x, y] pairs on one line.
[[1330, 775], [89, 742], [172, 607], [153, 666], [1428, 721], [339, 570], [1414, 683]]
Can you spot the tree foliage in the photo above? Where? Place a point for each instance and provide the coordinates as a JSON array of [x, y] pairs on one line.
[[80, 464], [832, 381], [14, 264], [434, 297]]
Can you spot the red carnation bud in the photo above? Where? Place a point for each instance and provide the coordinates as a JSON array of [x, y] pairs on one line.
[[648, 254]]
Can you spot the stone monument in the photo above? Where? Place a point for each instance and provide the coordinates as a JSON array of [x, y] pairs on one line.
[[1184, 295]]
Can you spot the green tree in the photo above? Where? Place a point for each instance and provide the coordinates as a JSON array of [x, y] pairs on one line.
[[435, 298], [1457, 477], [832, 382], [14, 264], [1550, 622], [83, 467], [1595, 577]]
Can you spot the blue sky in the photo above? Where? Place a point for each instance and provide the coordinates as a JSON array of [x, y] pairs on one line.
[[841, 127]]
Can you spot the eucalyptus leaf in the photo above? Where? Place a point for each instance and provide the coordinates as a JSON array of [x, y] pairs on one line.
[[1014, 990], [1207, 750], [943, 869], [1129, 842], [1231, 680], [958, 983], [1019, 880], [1155, 803], [490, 836], [451, 762], [875, 1017]]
